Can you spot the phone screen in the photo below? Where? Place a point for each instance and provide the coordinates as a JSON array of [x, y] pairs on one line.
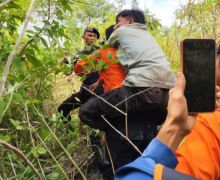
[[198, 63]]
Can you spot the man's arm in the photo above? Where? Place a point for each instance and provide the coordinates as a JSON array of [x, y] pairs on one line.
[[80, 67], [178, 124]]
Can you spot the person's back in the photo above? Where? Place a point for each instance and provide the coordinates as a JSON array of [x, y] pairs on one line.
[[146, 62]]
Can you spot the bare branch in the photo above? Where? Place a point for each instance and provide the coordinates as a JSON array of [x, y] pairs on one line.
[[104, 100], [135, 147], [13, 52], [126, 118], [4, 3], [33, 129], [19, 152], [110, 157], [32, 139], [61, 145], [12, 166]]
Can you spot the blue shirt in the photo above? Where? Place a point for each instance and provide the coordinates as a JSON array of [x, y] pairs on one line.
[[143, 167]]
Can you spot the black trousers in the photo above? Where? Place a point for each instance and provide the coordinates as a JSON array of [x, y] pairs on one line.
[[146, 108], [139, 100], [140, 131], [76, 100]]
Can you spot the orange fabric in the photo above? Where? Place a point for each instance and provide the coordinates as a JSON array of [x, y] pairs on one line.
[[79, 67], [113, 76], [158, 172], [199, 155]]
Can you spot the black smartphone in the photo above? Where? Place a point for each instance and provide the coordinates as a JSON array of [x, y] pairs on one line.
[[198, 66]]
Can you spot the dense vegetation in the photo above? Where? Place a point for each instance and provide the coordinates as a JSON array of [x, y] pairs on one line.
[[28, 117]]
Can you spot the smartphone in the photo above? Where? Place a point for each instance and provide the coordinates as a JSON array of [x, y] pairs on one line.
[[198, 66]]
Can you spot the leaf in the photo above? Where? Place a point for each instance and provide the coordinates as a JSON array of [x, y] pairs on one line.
[[41, 150], [5, 138], [83, 57], [101, 65], [44, 133], [53, 176], [13, 5], [28, 64], [46, 22], [32, 101], [17, 124], [109, 55], [36, 39], [61, 31], [54, 118], [2, 107], [106, 46], [34, 61], [91, 62], [44, 42], [30, 31], [114, 60], [83, 78], [70, 147], [18, 97], [98, 53]]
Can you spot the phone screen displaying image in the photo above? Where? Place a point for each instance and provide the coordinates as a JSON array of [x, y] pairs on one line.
[[198, 64]]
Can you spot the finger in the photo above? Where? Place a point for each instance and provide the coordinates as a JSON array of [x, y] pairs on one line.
[[180, 82], [191, 121], [218, 95], [90, 88]]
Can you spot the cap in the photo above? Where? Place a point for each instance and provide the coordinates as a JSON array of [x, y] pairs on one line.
[[93, 30]]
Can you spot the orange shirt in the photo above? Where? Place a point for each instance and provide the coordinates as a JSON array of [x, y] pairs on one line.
[[113, 76], [79, 67], [199, 155]]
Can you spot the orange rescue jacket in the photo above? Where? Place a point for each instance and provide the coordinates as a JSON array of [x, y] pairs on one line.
[[113, 76], [199, 154]]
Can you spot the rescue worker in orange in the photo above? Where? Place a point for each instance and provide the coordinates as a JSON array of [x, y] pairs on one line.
[[112, 74], [199, 154]]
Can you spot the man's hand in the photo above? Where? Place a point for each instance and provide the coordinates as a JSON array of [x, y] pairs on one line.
[[178, 124], [94, 86]]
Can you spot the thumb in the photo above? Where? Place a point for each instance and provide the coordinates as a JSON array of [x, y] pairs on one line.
[[180, 82]]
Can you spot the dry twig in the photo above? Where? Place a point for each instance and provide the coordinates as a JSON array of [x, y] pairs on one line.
[[19, 152], [4, 3], [13, 52], [135, 147]]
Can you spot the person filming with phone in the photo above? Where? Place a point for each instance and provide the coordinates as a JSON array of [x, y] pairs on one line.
[[199, 155]]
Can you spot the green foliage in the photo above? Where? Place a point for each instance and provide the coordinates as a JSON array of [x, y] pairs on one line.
[[194, 20], [55, 27]]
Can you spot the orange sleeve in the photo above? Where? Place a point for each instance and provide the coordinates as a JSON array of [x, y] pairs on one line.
[[199, 155], [158, 171], [79, 67]]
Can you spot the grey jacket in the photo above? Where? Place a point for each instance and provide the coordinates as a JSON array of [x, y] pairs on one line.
[[145, 61]]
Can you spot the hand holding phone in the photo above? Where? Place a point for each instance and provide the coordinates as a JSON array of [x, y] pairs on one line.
[[198, 66]]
